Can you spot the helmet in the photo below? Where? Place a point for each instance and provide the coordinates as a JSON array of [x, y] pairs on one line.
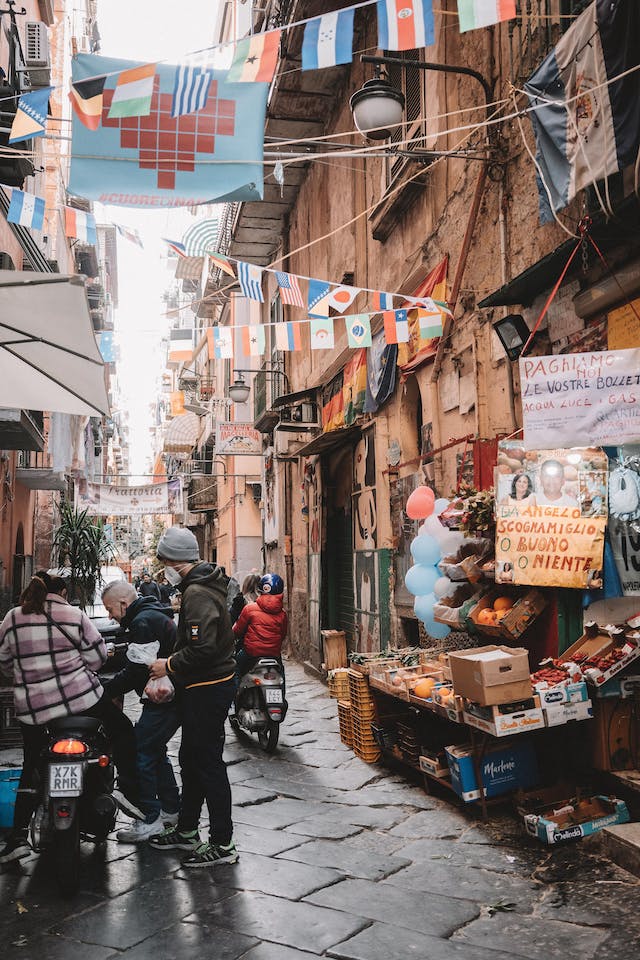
[[271, 583]]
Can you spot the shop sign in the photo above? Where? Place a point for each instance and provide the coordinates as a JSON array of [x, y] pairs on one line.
[[240, 439], [109, 500], [572, 396], [551, 514]]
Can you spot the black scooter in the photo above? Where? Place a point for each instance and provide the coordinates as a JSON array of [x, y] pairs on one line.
[[259, 705]]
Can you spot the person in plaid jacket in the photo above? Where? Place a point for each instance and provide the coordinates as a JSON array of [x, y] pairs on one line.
[[52, 651]]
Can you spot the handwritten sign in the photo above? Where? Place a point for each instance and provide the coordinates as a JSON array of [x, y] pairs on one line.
[[111, 500], [237, 438], [576, 395], [624, 327]]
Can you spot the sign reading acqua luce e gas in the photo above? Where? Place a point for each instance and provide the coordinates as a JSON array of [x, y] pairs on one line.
[[239, 439], [575, 395]]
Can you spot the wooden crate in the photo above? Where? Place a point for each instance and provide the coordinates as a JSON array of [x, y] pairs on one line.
[[334, 647]]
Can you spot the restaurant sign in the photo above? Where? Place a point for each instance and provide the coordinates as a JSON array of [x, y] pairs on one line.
[[239, 439]]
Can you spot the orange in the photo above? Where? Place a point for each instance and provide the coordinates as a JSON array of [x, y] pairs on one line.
[[487, 616], [502, 603], [424, 687]]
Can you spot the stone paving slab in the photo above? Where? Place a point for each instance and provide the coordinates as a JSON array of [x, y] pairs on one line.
[[382, 941], [327, 825], [275, 951], [442, 821], [278, 813], [195, 942], [465, 883], [531, 938], [266, 842], [434, 915], [51, 947], [279, 878], [345, 857], [300, 925], [248, 794], [459, 853]]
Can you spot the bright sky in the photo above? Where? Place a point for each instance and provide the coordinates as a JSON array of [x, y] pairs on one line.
[[147, 30]]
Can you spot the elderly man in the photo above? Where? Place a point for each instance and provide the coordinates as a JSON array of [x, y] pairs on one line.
[[203, 666], [151, 634]]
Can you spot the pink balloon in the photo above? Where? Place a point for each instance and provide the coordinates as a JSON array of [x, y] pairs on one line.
[[420, 504]]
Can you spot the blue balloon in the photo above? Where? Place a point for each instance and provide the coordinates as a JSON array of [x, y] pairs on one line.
[[423, 607], [421, 580], [437, 630], [441, 505], [425, 549]]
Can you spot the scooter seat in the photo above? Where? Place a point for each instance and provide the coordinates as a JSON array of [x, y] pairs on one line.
[[74, 725]]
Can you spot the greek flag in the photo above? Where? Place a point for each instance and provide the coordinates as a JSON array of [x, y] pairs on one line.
[[250, 280], [191, 90]]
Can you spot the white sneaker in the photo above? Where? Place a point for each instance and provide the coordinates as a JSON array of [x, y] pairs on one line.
[[169, 819], [139, 832]]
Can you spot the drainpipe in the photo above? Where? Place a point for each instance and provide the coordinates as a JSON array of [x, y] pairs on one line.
[[502, 228]]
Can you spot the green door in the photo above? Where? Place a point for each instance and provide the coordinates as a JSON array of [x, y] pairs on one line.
[[338, 574]]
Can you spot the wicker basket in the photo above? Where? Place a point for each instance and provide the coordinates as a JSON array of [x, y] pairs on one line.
[[345, 722], [338, 681]]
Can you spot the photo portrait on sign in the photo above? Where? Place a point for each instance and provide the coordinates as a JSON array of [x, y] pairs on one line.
[[551, 513]]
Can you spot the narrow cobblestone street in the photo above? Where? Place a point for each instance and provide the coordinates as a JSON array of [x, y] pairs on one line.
[[338, 859]]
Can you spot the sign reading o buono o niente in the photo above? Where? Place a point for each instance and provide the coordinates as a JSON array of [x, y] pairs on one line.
[[578, 397]]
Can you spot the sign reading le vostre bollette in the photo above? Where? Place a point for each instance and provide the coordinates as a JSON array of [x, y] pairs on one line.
[[574, 396]]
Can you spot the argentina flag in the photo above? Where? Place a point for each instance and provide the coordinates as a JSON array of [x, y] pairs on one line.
[[328, 40]]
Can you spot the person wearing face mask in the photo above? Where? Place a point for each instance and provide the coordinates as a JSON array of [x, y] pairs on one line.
[[203, 667]]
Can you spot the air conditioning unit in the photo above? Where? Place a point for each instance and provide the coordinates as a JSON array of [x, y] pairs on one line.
[[300, 416], [36, 53]]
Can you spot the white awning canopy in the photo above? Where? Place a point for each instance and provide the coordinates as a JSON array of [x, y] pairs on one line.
[[49, 358], [182, 435]]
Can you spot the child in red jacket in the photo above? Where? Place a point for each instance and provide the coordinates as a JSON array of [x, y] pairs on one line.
[[262, 625]]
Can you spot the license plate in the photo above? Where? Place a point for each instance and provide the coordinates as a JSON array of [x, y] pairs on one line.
[[65, 779], [273, 696]]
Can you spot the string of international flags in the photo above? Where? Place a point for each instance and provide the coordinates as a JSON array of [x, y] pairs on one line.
[[327, 42]]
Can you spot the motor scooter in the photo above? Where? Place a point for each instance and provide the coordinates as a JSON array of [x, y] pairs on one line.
[[259, 705]]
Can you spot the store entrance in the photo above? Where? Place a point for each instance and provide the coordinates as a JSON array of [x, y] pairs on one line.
[[337, 553]]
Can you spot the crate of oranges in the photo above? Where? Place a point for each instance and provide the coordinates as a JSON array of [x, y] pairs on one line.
[[506, 614]]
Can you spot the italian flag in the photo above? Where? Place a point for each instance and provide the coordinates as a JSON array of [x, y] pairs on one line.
[[133, 92], [255, 58], [484, 13]]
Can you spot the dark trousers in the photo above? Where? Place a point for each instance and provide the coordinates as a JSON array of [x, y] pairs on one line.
[[204, 772], [35, 738], [156, 779]]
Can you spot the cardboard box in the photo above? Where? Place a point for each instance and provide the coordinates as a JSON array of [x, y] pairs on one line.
[[492, 674], [504, 768], [599, 646], [562, 693], [557, 714], [552, 826], [502, 720], [434, 767]]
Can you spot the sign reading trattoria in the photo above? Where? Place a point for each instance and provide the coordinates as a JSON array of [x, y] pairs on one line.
[[551, 514], [576, 395]]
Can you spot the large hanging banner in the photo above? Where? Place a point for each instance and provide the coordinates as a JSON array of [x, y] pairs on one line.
[[212, 154], [576, 395], [551, 514], [109, 500]]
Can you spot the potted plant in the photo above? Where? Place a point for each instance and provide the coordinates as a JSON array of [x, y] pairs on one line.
[[81, 545]]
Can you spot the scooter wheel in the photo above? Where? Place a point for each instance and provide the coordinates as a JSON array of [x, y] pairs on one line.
[[66, 854], [268, 739]]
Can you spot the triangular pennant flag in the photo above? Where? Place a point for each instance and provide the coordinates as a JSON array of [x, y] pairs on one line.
[[396, 326], [31, 116], [222, 263], [26, 209], [86, 98], [219, 343], [358, 330], [318, 298], [253, 340], [133, 92], [255, 58], [342, 297], [175, 247], [288, 335], [322, 335], [250, 279]]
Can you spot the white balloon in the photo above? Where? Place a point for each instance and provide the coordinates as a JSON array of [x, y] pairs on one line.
[[443, 587], [441, 505], [433, 527], [450, 542]]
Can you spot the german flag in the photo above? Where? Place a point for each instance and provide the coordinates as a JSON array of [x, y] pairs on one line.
[[86, 100]]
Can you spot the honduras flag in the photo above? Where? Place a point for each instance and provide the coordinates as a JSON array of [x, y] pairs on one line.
[[585, 130], [26, 209], [328, 40]]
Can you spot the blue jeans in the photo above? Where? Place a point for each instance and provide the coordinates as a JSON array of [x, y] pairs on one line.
[[204, 772], [156, 781]]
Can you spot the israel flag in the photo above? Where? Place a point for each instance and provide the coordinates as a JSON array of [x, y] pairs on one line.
[[328, 40], [26, 210], [250, 280]]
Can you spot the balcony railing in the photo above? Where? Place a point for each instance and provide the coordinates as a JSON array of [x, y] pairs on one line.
[[268, 385], [21, 430], [537, 29]]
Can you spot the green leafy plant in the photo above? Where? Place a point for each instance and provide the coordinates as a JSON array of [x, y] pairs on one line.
[[81, 544], [478, 517]]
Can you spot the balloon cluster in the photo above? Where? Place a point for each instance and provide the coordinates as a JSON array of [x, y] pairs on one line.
[[433, 542]]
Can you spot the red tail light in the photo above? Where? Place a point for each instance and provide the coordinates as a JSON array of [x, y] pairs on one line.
[[69, 747], [103, 761]]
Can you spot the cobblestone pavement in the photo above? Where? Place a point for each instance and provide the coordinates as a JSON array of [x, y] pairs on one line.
[[338, 859]]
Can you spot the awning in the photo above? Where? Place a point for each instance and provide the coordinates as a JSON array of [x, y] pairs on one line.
[[182, 435], [50, 359], [326, 441]]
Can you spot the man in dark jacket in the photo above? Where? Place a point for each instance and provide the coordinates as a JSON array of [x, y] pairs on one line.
[[203, 666], [149, 587], [151, 634]]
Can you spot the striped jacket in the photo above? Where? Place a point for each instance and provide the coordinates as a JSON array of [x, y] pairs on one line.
[[52, 676]]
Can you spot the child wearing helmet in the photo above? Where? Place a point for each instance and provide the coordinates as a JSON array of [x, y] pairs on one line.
[[262, 625]]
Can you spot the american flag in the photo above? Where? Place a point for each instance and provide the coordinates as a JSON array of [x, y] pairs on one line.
[[290, 291]]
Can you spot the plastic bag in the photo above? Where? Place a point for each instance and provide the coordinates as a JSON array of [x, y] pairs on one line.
[[160, 690]]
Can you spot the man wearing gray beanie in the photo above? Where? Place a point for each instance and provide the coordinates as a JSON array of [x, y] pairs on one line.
[[202, 667]]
